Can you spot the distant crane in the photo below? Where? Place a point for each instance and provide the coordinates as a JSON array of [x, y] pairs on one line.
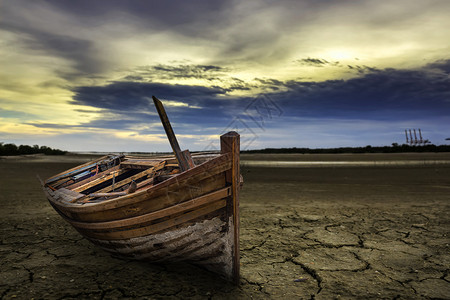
[[422, 141], [414, 141]]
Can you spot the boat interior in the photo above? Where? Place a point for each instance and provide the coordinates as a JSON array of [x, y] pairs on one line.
[[113, 176]]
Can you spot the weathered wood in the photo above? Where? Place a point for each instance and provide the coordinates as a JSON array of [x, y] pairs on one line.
[[60, 175], [161, 178], [82, 168], [145, 182], [150, 172], [188, 158], [92, 178], [139, 164], [172, 210], [230, 143], [205, 242], [172, 165], [154, 228], [67, 195], [172, 195], [131, 189], [112, 194], [200, 172], [170, 134], [99, 180]]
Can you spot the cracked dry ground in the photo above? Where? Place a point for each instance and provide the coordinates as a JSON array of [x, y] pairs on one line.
[[306, 233]]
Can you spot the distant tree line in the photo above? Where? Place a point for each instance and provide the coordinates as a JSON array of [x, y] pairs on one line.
[[12, 149], [395, 148]]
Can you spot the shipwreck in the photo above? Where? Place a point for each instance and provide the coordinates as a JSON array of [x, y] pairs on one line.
[[181, 207]]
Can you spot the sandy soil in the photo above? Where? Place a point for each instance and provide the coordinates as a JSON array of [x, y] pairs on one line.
[[323, 233]]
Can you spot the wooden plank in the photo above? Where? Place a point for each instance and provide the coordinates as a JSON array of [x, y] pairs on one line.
[[92, 178], [154, 228], [82, 168], [67, 195], [131, 189], [121, 183], [230, 143], [59, 175], [170, 134], [99, 180], [139, 163], [145, 182], [173, 210], [113, 194], [172, 165]]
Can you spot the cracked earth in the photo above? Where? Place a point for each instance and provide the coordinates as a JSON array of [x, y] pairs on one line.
[[306, 233]]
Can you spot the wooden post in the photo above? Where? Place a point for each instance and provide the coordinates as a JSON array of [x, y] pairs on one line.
[[182, 158], [230, 143]]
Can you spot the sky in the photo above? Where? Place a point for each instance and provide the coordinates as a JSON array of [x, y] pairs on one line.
[[79, 75]]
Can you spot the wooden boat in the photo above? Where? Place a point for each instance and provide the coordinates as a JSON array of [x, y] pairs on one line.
[[175, 208]]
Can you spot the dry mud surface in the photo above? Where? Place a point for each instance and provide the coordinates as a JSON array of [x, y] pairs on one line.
[[306, 233]]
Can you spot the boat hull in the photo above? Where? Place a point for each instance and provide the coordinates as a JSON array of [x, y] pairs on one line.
[[192, 216]]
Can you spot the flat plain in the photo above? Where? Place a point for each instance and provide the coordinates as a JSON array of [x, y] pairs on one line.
[[308, 231]]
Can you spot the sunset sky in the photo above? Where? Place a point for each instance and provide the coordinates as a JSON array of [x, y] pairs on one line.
[[79, 75]]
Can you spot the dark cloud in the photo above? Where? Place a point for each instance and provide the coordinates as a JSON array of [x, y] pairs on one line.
[[134, 96], [79, 51], [320, 62], [376, 94], [362, 69], [316, 62], [131, 104], [442, 65], [179, 71], [191, 70], [214, 74], [380, 94], [176, 15]]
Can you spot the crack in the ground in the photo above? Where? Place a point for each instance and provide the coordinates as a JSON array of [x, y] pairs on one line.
[[260, 287], [313, 273], [414, 290], [30, 274], [361, 242], [332, 226], [378, 231], [256, 246], [445, 275], [419, 226], [58, 256], [366, 267], [423, 216], [428, 278], [327, 245]]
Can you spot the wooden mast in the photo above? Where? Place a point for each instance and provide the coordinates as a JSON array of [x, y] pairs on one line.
[[184, 158]]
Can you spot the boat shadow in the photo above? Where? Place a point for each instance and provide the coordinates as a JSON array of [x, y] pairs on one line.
[[179, 279]]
